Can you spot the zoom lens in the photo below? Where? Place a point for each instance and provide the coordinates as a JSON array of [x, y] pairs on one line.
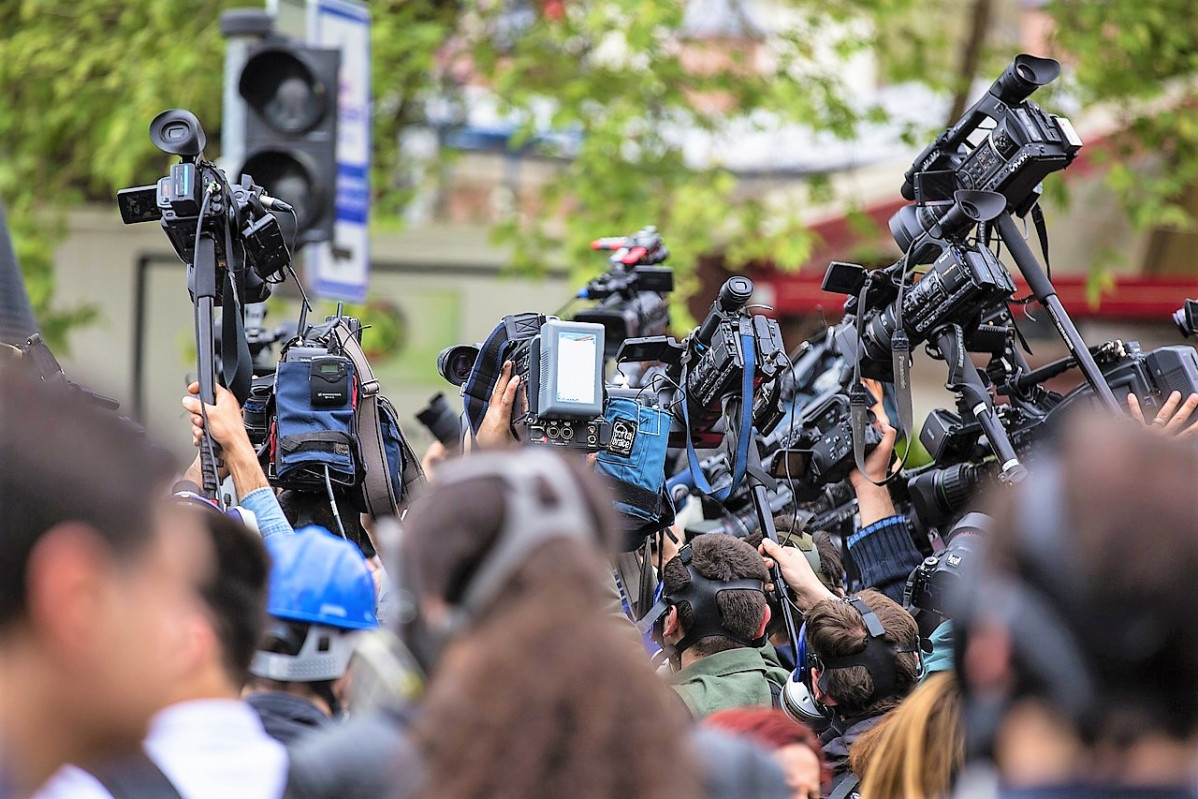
[[456, 363]]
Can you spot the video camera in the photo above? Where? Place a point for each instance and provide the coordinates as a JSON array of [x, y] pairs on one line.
[[196, 197], [1024, 146], [560, 366], [631, 297], [233, 248], [711, 366]]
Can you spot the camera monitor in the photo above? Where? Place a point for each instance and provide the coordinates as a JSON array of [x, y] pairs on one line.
[[569, 383]]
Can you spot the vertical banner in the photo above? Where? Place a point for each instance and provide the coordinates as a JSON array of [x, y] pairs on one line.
[[341, 270]]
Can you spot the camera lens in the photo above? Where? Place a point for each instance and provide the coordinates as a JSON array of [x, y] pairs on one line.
[[1185, 318], [456, 363]]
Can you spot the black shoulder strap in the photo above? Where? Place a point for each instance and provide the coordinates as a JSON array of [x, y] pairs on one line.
[[135, 777], [847, 784], [775, 695]]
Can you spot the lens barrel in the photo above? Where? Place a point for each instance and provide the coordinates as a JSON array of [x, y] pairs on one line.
[[455, 363]]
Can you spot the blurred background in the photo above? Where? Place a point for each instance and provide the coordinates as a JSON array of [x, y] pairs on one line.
[[496, 139]]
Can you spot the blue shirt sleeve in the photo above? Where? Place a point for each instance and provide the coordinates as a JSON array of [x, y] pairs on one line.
[[265, 507], [885, 555]]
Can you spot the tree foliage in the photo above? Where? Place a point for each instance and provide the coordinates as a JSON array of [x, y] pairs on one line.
[[1141, 60], [82, 78]]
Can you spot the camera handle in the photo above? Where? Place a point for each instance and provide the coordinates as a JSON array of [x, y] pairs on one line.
[[963, 378], [202, 279], [760, 484], [1043, 290]]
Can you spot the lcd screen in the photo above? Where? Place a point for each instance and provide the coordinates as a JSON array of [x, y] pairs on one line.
[[576, 354]]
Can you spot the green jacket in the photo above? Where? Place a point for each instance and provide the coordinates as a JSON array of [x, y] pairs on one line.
[[734, 678]]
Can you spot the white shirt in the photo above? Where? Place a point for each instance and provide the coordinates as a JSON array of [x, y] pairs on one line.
[[208, 748]]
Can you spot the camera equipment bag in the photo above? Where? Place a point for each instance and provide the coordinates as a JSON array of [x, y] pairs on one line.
[[330, 419], [635, 464]]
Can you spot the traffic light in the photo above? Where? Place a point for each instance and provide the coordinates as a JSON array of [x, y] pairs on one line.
[[290, 91]]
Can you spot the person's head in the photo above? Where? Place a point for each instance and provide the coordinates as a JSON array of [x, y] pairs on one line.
[[313, 508], [542, 690], [468, 539], [234, 601], [738, 615], [97, 572], [795, 747], [321, 594], [862, 652], [919, 748], [1079, 621], [820, 551]]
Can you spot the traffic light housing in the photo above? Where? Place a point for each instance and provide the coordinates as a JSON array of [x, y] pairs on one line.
[[290, 91]]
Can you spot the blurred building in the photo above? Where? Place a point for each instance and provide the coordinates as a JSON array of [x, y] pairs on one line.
[[440, 282]]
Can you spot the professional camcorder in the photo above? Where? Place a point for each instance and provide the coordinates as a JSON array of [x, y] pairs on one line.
[[631, 297], [233, 248], [197, 198]]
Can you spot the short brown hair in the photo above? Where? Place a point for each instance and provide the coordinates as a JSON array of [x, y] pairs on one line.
[[836, 629], [721, 557]]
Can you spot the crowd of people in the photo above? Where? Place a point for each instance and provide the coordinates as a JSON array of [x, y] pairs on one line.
[[153, 644]]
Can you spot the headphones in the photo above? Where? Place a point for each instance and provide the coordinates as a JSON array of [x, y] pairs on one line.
[[184, 496], [1031, 606], [701, 594], [879, 657], [530, 522]]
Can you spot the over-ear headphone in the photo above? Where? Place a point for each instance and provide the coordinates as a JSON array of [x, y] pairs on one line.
[[879, 657], [701, 595], [1030, 606], [531, 520]]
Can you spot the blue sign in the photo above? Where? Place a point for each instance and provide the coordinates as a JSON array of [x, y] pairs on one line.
[[341, 270]]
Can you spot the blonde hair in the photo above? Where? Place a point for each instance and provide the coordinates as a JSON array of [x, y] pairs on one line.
[[918, 749]]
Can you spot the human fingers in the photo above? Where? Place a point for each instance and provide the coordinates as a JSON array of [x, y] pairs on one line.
[[501, 384], [879, 408], [1166, 411], [1177, 423], [1133, 407], [509, 396]]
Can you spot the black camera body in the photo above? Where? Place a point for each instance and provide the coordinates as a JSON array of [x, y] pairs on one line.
[[718, 370], [244, 233], [1025, 146], [442, 422], [1151, 376], [818, 450], [631, 297], [963, 283]]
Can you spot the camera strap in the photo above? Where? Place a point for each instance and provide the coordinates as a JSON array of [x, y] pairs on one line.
[[476, 391], [748, 349], [236, 371], [378, 486], [236, 361]]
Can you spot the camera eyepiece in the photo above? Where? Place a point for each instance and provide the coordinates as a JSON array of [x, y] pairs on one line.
[[178, 132], [455, 363], [735, 293], [1025, 74]]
